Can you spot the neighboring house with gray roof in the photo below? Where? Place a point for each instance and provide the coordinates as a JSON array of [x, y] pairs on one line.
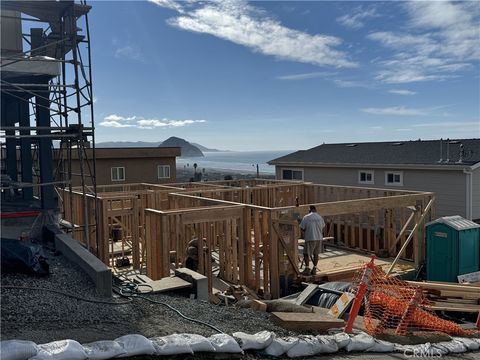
[[449, 168]]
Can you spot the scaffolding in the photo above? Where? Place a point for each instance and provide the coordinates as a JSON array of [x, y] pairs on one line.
[[47, 116]]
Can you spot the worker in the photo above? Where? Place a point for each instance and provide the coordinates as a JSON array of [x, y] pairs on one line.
[[312, 226]]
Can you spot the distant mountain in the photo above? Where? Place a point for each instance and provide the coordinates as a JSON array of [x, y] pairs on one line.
[[127, 144], [203, 148], [188, 150]]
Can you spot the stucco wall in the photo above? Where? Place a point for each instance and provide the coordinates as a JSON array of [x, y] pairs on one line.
[[476, 194]]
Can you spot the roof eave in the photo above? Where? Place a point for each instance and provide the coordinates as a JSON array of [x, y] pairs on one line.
[[367, 165]]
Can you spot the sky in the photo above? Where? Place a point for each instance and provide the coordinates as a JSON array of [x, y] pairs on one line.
[[276, 75]]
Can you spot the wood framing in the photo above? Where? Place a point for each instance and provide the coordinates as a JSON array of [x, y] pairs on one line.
[[246, 231]]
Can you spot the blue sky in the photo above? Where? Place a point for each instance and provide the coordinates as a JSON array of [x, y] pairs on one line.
[[285, 75]]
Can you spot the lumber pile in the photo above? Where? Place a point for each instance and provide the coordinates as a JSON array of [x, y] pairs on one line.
[[301, 322], [450, 297]]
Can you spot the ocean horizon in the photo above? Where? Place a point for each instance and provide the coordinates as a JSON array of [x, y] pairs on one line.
[[234, 160]]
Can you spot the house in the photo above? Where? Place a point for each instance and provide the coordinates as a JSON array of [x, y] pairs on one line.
[[449, 168], [154, 165]]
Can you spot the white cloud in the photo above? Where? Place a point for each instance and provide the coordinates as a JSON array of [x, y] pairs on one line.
[[119, 121], [115, 117], [170, 4], [441, 40], [312, 75], [402, 92], [396, 111], [351, 83], [356, 20], [129, 51], [114, 124], [151, 123], [243, 24]]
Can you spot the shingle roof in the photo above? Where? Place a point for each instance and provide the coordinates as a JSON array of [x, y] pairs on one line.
[[415, 152]]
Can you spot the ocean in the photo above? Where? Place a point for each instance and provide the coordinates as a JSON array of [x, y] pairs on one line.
[[235, 160]]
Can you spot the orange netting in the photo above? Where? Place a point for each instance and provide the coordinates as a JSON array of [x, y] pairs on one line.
[[392, 303]]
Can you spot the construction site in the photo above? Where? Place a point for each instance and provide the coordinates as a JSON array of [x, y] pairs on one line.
[[210, 268]]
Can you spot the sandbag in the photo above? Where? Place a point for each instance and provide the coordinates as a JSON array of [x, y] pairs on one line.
[[224, 343], [328, 344], [135, 344], [198, 343], [420, 350], [307, 345], [381, 346], [257, 341], [280, 346], [60, 350], [171, 345], [452, 346], [470, 344], [17, 349], [101, 350], [342, 339], [360, 342]]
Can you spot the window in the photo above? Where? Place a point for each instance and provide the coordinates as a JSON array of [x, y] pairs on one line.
[[394, 178], [366, 177], [118, 173], [292, 174], [163, 171]]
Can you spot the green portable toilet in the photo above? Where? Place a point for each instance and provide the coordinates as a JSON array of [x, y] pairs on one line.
[[453, 248]]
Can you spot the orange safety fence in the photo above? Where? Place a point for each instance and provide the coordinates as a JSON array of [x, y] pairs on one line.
[[393, 304]]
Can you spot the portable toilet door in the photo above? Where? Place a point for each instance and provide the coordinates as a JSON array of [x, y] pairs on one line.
[[442, 253], [469, 251], [453, 248]]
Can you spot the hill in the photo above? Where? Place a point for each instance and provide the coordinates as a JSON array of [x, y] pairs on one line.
[[188, 150], [204, 148]]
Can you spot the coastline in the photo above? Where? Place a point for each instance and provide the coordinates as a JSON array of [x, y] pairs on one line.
[[212, 174]]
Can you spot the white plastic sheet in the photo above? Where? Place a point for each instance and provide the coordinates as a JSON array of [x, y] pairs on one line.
[[60, 350], [224, 343], [135, 344], [257, 341], [102, 350], [171, 345], [17, 349]]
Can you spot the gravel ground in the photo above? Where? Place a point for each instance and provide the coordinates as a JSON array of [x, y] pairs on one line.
[[43, 316]]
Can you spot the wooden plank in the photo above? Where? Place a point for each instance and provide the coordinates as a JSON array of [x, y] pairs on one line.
[[306, 294], [302, 322], [446, 286], [447, 306], [165, 284]]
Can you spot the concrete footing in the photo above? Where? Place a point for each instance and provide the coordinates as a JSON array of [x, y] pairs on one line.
[[97, 270], [199, 281]]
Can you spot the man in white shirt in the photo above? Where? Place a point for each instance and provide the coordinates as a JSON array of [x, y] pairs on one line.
[[312, 230]]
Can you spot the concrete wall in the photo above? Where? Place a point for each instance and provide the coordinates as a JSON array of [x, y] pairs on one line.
[[448, 186]]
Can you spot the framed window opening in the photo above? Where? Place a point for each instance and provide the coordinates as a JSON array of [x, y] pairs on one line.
[[394, 178], [366, 177], [163, 171], [292, 174], [118, 173]]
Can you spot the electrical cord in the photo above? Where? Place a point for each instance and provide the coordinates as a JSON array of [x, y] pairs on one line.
[[131, 290], [66, 294]]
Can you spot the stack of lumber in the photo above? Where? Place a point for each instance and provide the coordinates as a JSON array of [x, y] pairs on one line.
[[451, 297]]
